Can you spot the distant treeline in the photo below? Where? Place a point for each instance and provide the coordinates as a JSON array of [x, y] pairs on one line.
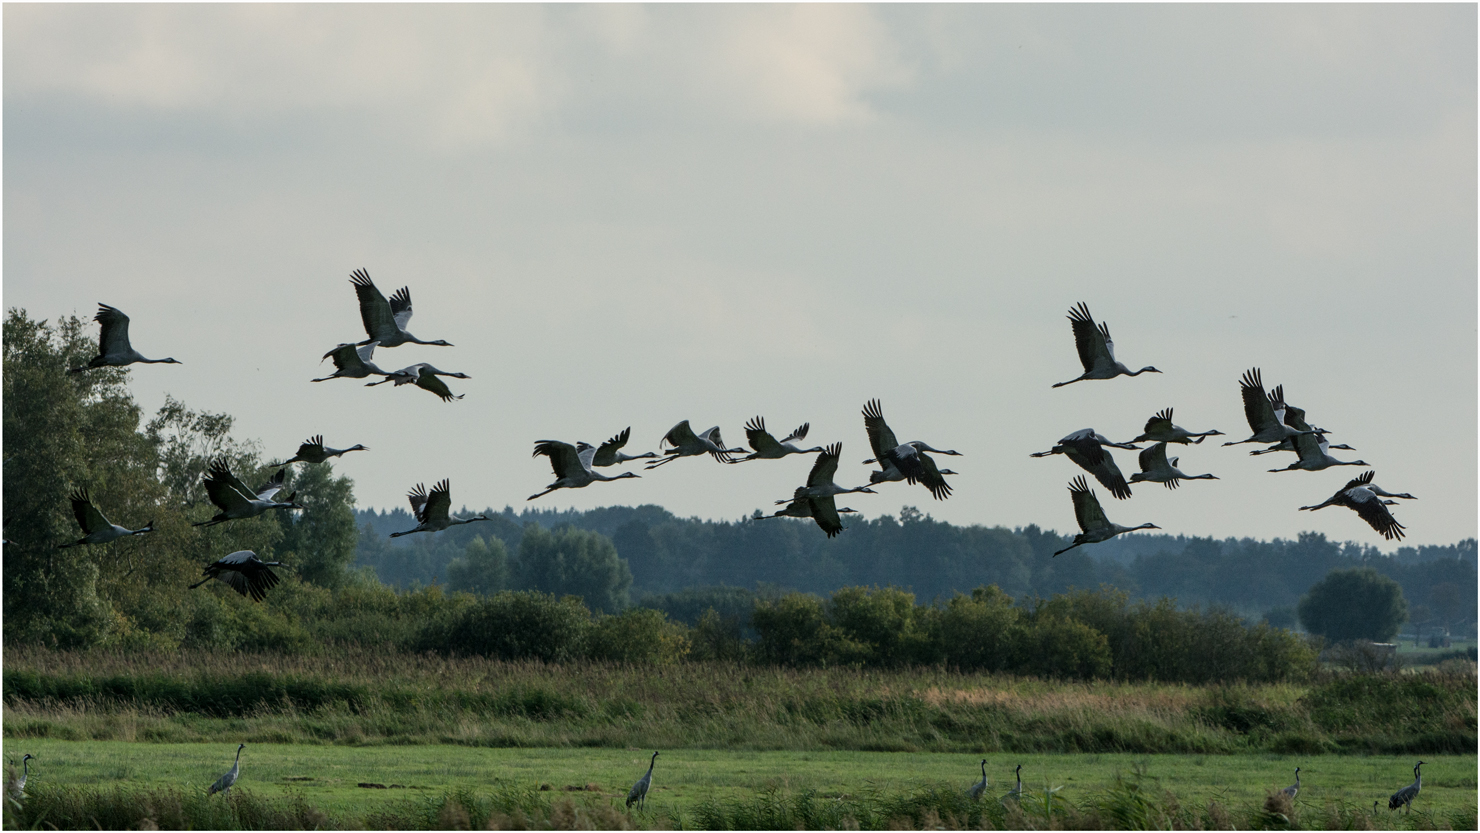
[[934, 560]]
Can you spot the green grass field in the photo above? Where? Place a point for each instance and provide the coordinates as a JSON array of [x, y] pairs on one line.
[[327, 777]]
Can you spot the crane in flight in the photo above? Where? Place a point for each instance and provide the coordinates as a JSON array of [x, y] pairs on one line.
[[243, 572], [1160, 429], [433, 511], [1156, 468], [385, 321], [1097, 528], [114, 349], [768, 447], [237, 502], [96, 528], [610, 453], [1087, 449], [572, 465], [1096, 349], [352, 361], [685, 443], [1360, 496], [903, 461]]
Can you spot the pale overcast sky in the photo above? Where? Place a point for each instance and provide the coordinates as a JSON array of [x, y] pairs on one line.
[[635, 215]]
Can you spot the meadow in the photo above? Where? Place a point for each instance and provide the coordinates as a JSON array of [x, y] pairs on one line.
[[432, 786], [122, 739]]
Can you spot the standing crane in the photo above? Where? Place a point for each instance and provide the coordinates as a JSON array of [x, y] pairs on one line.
[[1404, 797], [1313, 456], [114, 349], [433, 511], [352, 361], [423, 376], [1017, 792], [1265, 412], [385, 321], [96, 529], [572, 464], [236, 501], [18, 786], [1097, 528], [313, 450], [1160, 429], [820, 480], [903, 461], [638, 794], [1294, 789], [980, 787], [243, 572], [1087, 449], [1096, 349], [1155, 468], [685, 443], [610, 453], [768, 447], [1361, 497], [224, 782]]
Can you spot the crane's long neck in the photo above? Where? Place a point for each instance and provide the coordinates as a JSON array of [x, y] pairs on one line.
[[238, 758]]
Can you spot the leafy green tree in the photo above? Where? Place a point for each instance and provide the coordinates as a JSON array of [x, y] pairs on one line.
[[319, 542], [638, 635], [483, 570], [883, 624], [570, 561], [1354, 604], [978, 632]]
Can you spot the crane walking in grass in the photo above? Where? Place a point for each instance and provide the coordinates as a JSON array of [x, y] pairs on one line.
[[979, 787], [1016, 793], [18, 786], [1404, 797], [638, 794], [224, 782], [1294, 789]]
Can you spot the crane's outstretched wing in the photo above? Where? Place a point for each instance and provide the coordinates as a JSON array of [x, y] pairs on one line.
[[417, 497], [1159, 424], [680, 435], [1372, 510], [825, 513], [563, 457], [1093, 343], [606, 453], [400, 304], [113, 338], [1086, 506], [439, 503], [880, 437], [826, 466], [759, 438], [225, 490], [432, 383], [375, 310], [1257, 408], [274, 484], [799, 434], [88, 516]]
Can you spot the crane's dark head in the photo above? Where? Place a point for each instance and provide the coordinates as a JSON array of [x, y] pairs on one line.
[[28, 757], [357, 447], [626, 474], [440, 343], [168, 361]]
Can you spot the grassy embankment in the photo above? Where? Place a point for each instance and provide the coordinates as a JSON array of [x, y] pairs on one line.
[[372, 697], [117, 785]]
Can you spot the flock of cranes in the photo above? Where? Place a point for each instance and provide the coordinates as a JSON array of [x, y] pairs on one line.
[[1271, 419], [639, 792]]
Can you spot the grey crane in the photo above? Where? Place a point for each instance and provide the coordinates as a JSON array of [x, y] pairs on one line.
[[236, 502], [610, 453], [1404, 797], [114, 349], [685, 443], [980, 787], [1155, 468], [823, 510], [1160, 429], [433, 510], [1096, 349], [224, 782], [1294, 789], [1091, 517], [638, 794], [1295, 418], [820, 480], [352, 361], [385, 321], [572, 465], [1017, 792], [313, 450], [18, 786], [1087, 449], [1313, 455], [1265, 412], [243, 572], [1358, 495], [768, 447], [903, 461], [423, 376], [96, 528]]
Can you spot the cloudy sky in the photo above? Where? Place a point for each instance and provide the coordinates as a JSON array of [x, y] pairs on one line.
[[635, 215]]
